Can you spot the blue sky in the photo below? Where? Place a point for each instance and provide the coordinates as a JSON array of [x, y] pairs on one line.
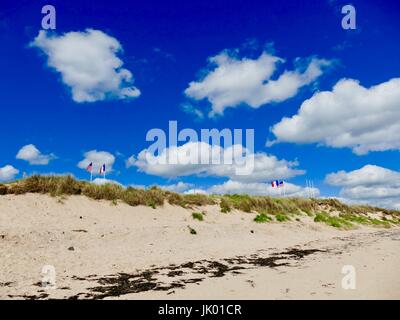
[[166, 46]]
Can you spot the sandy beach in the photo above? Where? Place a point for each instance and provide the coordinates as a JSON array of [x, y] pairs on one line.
[[103, 250]]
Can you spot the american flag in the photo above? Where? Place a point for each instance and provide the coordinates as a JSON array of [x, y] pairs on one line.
[[103, 169], [89, 168]]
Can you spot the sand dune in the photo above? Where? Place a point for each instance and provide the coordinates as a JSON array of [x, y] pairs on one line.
[[107, 251]]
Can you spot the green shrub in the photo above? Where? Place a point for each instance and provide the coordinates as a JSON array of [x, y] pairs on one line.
[[282, 217], [262, 217], [197, 216]]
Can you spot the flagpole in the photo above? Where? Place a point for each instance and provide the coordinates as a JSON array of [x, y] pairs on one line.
[[312, 186]]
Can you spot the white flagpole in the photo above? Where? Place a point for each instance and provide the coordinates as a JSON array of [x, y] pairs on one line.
[[311, 188], [307, 187]]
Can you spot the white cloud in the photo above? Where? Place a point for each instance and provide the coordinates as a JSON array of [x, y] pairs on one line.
[[193, 110], [196, 191], [32, 154], [261, 189], [88, 64], [130, 162], [370, 184], [352, 116], [236, 81], [101, 181], [8, 173], [193, 160], [98, 158], [177, 187], [367, 176]]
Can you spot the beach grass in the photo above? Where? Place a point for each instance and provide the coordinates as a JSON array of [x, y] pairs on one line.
[[329, 211], [332, 221]]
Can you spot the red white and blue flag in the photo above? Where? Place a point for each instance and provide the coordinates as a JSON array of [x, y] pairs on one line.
[[89, 168], [277, 184], [103, 169]]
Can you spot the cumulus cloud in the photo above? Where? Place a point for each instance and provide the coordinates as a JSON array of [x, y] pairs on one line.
[[101, 181], [88, 64], [368, 175], [177, 187], [98, 158], [232, 81], [203, 159], [352, 116], [370, 184], [8, 173], [260, 189], [32, 154], [196, 191]]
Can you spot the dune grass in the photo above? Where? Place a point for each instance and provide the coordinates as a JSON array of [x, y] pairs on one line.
[[332, 221], [329, 211], [67, 185]]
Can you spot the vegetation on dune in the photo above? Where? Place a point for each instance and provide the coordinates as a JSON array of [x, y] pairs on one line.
[[188, 200], [224, 204], [67, 185], [197, 216], [262, 217], [332, 221], [329, 211], [269, 205], [281, 217]]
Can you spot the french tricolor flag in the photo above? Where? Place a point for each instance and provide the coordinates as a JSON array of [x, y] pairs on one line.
[[275, 183], [103, 169]]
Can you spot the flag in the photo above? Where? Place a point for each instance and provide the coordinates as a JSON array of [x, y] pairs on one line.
[[277, 184], [103, 169], [89, 168]]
